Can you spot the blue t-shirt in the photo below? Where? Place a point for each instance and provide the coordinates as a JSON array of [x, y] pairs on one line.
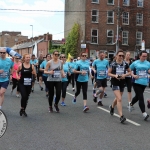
[[141, 69], [101, 67], [71, 66], [43, 66], [5, 65], [66, 70], [82, 66]]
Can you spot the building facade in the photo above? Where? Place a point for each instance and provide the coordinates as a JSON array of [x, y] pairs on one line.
[[99, 20], [9, 38]]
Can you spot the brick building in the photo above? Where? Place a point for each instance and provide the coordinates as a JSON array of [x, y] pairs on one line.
[[98, 20], [9, 38], [27, 46]]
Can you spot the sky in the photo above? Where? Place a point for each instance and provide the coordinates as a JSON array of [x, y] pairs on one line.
[[43, 22]]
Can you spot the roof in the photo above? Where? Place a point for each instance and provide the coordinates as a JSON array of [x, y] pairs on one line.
[[26, 44]]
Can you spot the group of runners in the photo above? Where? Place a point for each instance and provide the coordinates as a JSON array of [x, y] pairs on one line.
[[55, 72]]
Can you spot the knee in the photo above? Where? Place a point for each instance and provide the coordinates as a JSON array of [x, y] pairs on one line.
[[119, 100]]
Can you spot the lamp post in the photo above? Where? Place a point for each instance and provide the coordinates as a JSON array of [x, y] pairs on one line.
[[32, 38]]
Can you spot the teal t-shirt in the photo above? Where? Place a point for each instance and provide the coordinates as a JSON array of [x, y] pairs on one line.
[[66, 70], [141, 69], [43, 66], [82, 66], [71, 66], [5, 65], [101, 67]]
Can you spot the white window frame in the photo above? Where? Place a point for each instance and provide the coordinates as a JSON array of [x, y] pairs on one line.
[[110, 37], [97, 16], [137, 38], [142, 2], [123, 37], [110, 3], [94, 36], [95, 2], [124, 17], [128, 3], [138, 19], [110, 17]]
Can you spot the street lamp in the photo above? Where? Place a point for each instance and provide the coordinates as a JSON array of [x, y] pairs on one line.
[[32, 37]]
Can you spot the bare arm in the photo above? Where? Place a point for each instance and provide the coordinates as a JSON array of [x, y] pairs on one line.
[[46, 70]]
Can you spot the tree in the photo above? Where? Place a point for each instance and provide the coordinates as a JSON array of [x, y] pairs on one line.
[[72, 41]]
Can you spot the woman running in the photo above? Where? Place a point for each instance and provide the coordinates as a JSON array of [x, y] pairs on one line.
[[65, 79], [118, 73], [44, 76], [54, 69], [82, 69], [142, 68], [15, 80], [25, 83]]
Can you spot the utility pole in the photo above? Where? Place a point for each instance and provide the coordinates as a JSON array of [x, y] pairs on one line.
[[32, 38]]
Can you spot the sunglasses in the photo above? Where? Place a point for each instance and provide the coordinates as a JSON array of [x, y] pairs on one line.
[[56, 54], [83, 55], [63, 57], [2, 52], [121, 55]]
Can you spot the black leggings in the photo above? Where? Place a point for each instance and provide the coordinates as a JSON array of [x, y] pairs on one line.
[[25, 92], [51, 85], [64, 87], [128, 81], [45, 82], [72, 79], [15, 84], [139, 90], [84, 89]]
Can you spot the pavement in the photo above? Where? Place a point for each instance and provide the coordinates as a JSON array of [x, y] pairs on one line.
[[71, 129]]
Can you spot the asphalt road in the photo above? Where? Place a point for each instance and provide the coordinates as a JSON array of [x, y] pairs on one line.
[[71, 129]]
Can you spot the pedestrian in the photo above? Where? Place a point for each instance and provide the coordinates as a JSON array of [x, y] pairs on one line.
[[142, 68], [27, 71], [82, 71], [54, 69], [6, 65], [117, 71]]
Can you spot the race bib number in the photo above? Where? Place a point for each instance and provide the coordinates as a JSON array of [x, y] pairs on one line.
[[143, 74], [85, 70], [27, 81], [120, 70], [4, 74], [56, 74], [102, 73]]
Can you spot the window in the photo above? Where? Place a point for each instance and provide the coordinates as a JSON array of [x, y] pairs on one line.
[[95, 1], [139, 19], [125, 18], [125, 37], [94, 16], [94, 36], [110, 36], [110, 2], [139, 3], [138, 38], [126, 2], [110, 17]]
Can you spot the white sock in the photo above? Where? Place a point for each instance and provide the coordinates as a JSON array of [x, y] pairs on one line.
[[99, 100], [0, 107], [144, 114], [93, 88]]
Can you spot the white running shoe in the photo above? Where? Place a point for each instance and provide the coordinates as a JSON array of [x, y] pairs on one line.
[[17, 95]]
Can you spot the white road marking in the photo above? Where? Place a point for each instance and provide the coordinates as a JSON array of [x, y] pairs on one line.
[[70, 94], [132, 122]]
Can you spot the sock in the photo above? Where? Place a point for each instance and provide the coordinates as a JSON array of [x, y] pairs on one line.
[[99, 100], [144, 114], [0, 107], [93, 88]]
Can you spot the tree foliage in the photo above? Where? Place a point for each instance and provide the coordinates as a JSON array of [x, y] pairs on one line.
[[72, 40]]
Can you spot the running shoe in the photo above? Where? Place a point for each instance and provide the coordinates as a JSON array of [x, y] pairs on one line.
[[105, 95], [41, 88], [17, 95], [62, 104], [24, 113], [111, 110], [47, 95], [94, 98], [56, 108], [130, 108], [74, 101], [85, 109], [100, 103], [21, 112], [73, 89], [51, 109], [122, 119], [146, 117]]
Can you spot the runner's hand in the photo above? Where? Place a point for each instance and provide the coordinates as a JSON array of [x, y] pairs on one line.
[[51, 72], [122, 76], [135, 76], [1, 71], [83, 73]]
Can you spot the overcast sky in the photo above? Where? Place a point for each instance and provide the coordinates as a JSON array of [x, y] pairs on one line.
[[43, 22]]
